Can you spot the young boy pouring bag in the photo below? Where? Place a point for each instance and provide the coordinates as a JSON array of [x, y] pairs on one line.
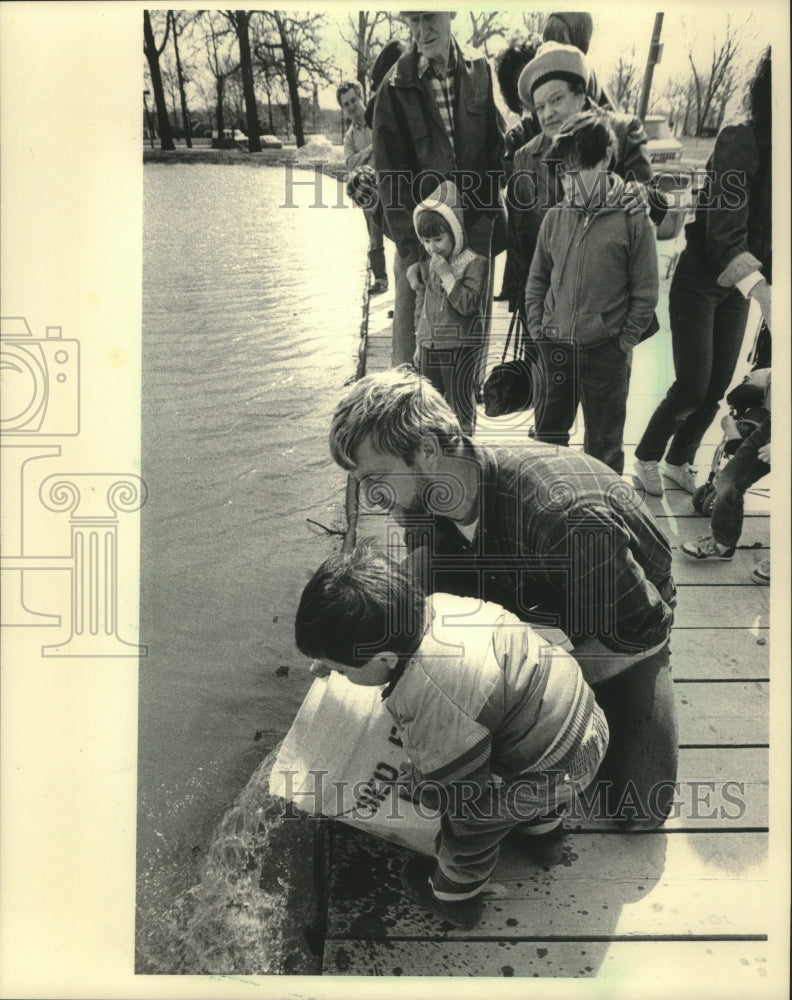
[[475, 692]]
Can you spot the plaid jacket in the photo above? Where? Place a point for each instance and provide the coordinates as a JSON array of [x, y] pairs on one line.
[[561, 541]]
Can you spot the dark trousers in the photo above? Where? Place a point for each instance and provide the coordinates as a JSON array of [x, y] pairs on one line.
[[743, 470], [376, 250], [640, 768], [453, 371], [707, 330], [596, 377]]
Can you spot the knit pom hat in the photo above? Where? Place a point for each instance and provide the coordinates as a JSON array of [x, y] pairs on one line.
[[552, 61]]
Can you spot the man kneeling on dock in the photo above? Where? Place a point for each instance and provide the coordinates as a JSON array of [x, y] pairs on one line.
[[475, 692], [552, 535]]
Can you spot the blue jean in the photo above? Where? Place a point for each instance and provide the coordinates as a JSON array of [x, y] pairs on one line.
[[453, 371], [376, 251], [707, 330], [468, 846], [596, 377], [743, 470], [403, 333]]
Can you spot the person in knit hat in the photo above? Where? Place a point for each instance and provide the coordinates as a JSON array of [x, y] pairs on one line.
[[591, 293], [555, 85], [450, 293]]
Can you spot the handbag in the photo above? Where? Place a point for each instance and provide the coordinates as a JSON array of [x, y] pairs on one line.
[[509, 386]]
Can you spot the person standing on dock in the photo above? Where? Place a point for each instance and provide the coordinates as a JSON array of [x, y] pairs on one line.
[[435, 118], [357, 152], [553, 536]]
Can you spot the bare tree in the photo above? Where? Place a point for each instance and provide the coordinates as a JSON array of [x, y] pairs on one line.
[[534, 23], [153, 52], [293, 47], [361, 39], [708, 87], [483, 26], [217, 45], [177, 21], [625, 83], [240, 21]]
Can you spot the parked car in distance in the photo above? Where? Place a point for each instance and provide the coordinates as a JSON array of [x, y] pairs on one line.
[[661, 144], [270, 142], [231, 133]]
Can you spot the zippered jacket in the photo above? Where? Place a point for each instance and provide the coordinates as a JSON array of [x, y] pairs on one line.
[[485, 694], [449, 311], [409, 138], [594, 274]]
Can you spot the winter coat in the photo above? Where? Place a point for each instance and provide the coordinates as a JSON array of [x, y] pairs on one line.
[[534, 189], [449, 311], [594, 273], [485, 694], [731, 234], [409, 136]]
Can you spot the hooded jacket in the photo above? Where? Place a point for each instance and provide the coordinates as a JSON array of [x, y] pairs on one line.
[[448, 311], [594, 273], [534, 189], [409, 138]]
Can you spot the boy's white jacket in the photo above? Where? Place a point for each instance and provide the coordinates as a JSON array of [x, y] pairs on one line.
[[485, 693], [344, 749]]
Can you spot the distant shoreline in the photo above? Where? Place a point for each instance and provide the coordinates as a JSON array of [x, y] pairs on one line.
[[329, 162]]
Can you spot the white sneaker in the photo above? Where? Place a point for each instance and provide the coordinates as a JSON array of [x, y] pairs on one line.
[[682, 475], [648, 475]]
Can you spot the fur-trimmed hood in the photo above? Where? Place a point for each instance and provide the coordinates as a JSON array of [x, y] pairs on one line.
[[446, 202]]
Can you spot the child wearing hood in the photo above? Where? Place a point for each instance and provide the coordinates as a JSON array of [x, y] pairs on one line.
[[591, 294], [450, 291]]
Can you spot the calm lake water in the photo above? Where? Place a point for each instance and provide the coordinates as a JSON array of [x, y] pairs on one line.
[[251, 318]]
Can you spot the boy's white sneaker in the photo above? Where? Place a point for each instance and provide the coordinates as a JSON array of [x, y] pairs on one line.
[[682, 475], [648, 476]]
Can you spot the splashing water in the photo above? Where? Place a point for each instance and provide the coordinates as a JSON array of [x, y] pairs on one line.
[[254, 900]]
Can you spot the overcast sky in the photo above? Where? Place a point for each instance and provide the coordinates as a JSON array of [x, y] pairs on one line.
[[620, 26]]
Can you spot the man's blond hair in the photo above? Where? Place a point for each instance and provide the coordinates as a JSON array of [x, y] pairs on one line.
[[394, 410]]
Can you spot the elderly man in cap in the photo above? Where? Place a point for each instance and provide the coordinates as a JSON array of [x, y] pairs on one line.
[[555, 85], [435, 119]]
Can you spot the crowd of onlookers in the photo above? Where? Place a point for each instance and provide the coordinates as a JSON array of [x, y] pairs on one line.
[[510, 542], [570, 194]]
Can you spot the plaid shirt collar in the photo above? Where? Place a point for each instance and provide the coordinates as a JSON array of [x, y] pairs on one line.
[[442, 88], [425, 66]]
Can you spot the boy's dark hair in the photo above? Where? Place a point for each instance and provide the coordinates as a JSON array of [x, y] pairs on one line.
[[358, 605], [342, 88], [431, 223], [583, 140], [509, 63]]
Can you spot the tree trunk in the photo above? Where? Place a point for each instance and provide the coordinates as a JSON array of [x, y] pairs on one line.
[[291, 80], [254, 140], [220, 82], [150, 48], [182, 94], [361, 50]]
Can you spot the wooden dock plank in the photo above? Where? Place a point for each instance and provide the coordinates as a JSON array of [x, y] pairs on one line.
[[723, 714], [714, 605], [720, 654], [718, 788], [739, 965], [608, 885]]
